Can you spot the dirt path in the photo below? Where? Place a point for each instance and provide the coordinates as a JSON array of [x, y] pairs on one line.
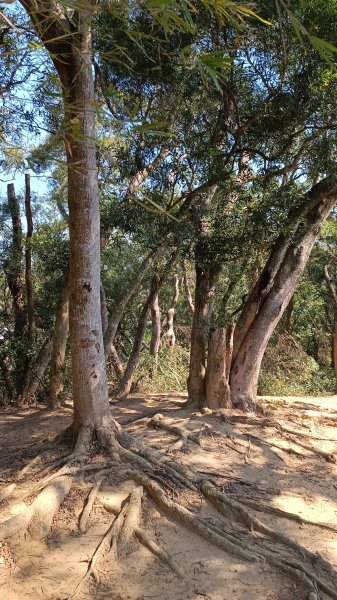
[[289, 466]]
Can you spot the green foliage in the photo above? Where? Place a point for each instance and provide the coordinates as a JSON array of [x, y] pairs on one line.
[[287, 370], [170, 373]]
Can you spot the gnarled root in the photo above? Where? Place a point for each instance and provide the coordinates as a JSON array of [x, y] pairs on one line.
[[38, 517], [183, 434]]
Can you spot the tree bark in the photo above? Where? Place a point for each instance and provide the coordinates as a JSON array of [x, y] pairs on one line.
[[36, 374], [13, 265], [126, 382], [28, 262], [333, 294], [122, 302], [206, 279], [156, 326], [116, 362], [276, 296], [59, 347], [220, 348], [187, 288], [70, 46], [171, 337]]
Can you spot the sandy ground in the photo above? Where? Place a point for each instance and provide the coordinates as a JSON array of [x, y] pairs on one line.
[[246, 458]]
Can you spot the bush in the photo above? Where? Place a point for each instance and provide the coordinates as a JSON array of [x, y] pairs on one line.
[[288, 370]]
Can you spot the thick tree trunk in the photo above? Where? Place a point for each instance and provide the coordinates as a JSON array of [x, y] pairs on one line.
[[247, 360], [333, 294], [122, 302], [90, 392], [156, 326], [59, 347], [220, 348], [205, 283], [171, 337], [69, 43]]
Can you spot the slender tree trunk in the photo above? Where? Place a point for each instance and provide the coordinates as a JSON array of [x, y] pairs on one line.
[[156, 326], [28, 262], [122, 302], [247, 360], [187, 288], [14, 274], [59, 347], [36, 374], [116, 362], [126, 382], [170, 315], [206, 279], [13, 265]]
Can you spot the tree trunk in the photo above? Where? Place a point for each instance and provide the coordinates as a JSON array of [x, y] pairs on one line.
[[247, 360], [13, 265], [220, 348], [156, 326], [170, 316], [125, 384], [37, 373], [14, 275], [187, 288], [122, 302], [205, 283], [59, 347], [116, 362], [28, 262], [70, 46], [333, 294]]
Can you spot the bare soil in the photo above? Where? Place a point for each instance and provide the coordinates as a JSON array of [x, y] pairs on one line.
[[286, 467]]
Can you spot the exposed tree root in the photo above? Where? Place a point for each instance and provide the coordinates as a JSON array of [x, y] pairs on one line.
[[121, 446], [83, 522], [278, 512], [7, 492], [228, 507], [38, 517], [108, 542], [183, 434], [182, 515], [290, 435], [148, 543]]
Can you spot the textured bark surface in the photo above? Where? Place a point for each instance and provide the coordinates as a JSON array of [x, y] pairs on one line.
[[70, 46], [206, 279], [220, 348], [13, 265], [333, 295], [276, 295], [187, 288], [59, 347], [36, 373], [156, 326], [28, 262], [125, 384], [171, 337]]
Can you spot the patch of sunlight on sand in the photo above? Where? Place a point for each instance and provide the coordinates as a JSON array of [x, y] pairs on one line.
[[319, 510]]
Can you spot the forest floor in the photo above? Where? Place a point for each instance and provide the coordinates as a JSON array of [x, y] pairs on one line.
[[282, 459]]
